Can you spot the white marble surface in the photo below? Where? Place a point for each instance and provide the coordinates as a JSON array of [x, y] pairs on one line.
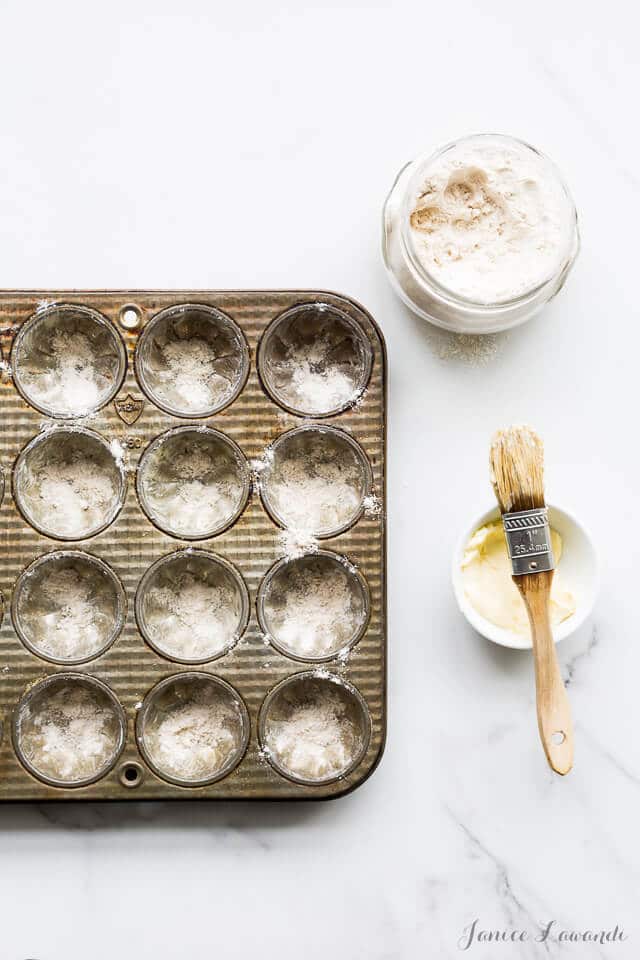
[[252, 144]]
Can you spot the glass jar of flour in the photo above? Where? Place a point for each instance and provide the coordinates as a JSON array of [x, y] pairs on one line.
[[480, 235]]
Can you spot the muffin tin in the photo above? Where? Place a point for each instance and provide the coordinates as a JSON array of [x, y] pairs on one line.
[[108, 442]]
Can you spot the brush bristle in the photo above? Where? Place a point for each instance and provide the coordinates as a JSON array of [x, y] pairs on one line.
[[517, 469]]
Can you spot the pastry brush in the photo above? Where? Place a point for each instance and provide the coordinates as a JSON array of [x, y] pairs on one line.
[[517, 466]]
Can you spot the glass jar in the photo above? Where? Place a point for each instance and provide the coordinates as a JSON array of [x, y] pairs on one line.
[[425, 294]]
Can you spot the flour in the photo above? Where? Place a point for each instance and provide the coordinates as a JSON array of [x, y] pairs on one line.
[[191, 619], [314, 608], [70, 734], [68, 365], [67, 612], [314, 738], [195, 738], [309, 377], [192, 484], [66, 490], [315, 486], [296, 542], [491, 221], [191, 381]]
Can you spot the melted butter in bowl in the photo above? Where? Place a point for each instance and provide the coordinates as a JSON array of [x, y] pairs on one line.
[[489, 586], [490, 601]]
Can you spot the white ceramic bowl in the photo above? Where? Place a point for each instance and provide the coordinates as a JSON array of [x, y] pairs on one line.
[[579, 565]]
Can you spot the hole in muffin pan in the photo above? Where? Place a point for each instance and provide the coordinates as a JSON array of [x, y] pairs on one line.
[[68, 361], [192, 606], [315, 607], [314, 728], [192, 360], [68, 607], [315, 480], [69, 730], [314, 360], [193, 482], [131, 774], [130, 316], [68, 484], [192, 729]]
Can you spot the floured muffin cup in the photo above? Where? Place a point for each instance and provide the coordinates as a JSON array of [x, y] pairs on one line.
[[68, 361], [314, 607], [192, 360], [192, 729], [315, 481], [69, 730], [314, 360], [68, 607], [68, 483], [193, 482], [314, 728], [192, 606]]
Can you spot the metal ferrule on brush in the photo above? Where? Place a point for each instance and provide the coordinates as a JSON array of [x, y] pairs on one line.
[[529, 541]]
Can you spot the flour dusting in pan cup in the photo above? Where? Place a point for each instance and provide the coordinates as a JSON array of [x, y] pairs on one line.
[[192, 360], [314, 728], [192, 606], [193, 482], [68, 361], [68, 483], [314, 607], [68, 607], [314, 360], [192, 729], [315, 481], [69, 730], [489, 600]]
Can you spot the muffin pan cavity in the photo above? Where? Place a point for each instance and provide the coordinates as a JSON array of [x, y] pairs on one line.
[[68, 607], [314, 360], [314, 728], [314, 607], [192, 729], [193, 482], [192, 360], [68, 361], [315, 480], [69, 730], [192, 606], [68, 483]]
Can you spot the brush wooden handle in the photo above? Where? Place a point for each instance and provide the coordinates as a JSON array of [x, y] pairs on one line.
[[554, 713]]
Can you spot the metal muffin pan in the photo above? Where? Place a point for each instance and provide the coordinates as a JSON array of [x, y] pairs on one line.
[[116, 545]]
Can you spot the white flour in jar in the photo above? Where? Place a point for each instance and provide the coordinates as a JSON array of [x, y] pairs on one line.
[[191, 619], [491, 220], [71, 735], [315, 738]]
